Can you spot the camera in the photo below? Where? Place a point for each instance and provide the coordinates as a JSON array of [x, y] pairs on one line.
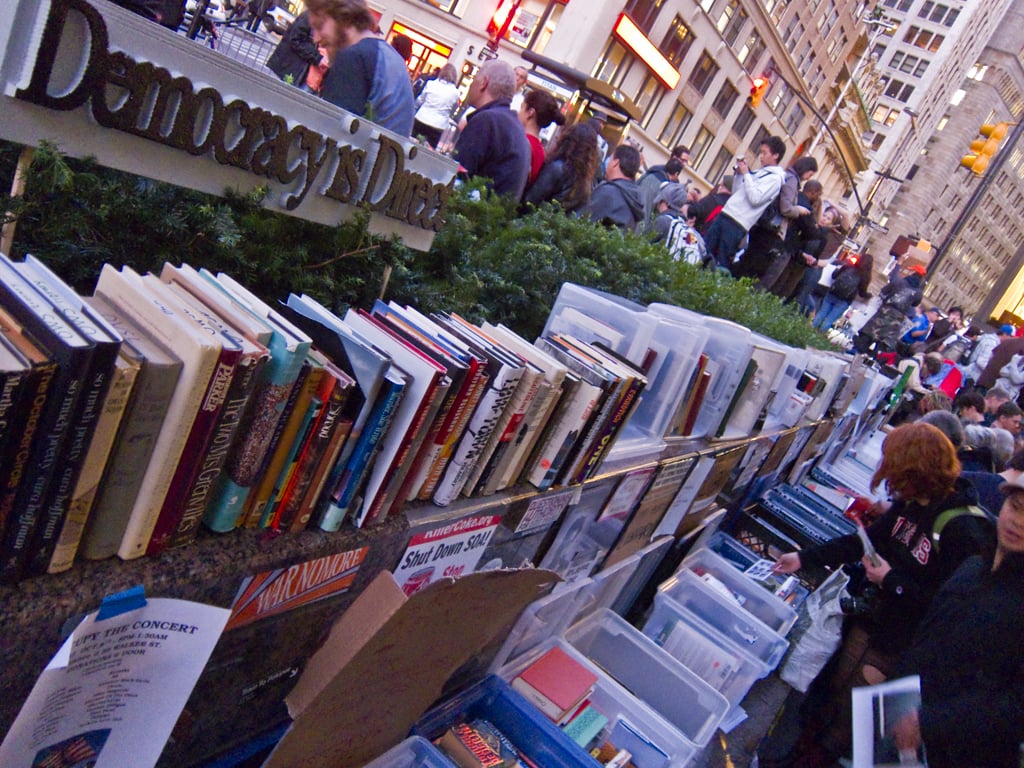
[[736, 166], [866, 603]]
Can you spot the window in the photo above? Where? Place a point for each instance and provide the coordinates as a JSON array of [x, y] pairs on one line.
[[779, 97], [922, 38], [706, 5], [759, 138], [794, 31], [703, 73], [744, 120], [899, 5], [808, 63], [794, 119], [644, 13], [614, 64], [751, 50], [725, 99], [951, 17], [648, 98], [774, 8], [977, 72], [899, 91], [674, 127], [942, 122], [720, 166], [677, 42], [837, 46], [731, 21], [700, 145]]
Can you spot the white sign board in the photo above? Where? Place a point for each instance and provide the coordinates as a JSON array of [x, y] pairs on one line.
[[99, 81]]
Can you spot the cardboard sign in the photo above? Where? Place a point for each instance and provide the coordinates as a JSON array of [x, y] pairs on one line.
[[450, 551], [98, 80]]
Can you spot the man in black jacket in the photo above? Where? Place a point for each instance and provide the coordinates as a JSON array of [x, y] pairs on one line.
[[969, 652], [296, 53]]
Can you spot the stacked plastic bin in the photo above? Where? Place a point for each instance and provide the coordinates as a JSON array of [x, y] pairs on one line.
[[729, 630]]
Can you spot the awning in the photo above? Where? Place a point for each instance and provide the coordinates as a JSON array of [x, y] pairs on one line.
[[597, 92]]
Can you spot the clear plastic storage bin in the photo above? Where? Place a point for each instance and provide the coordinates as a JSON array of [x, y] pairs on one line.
[[666, 685], [414, 752], [720, 663], [754, 598], [616, 703], [718, 616]]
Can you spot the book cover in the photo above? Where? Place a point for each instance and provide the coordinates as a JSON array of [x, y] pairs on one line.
[[40, 369], [459, 368], [136, 438], [211, 405], [468, 747], [428, 382], [556, 683], [707, 375], [106, 343], [740, 394], [436, 461], [299, 412], [37, 499], [374, 400], [126, 372], [536, 420], [199, 353], [503, 377], [678, 419], [288, 347], [331, 432]]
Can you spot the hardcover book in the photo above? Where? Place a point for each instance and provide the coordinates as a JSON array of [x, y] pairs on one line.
[[556, 684], [106, 343], [136, 438], [199, 353], [38, 498]]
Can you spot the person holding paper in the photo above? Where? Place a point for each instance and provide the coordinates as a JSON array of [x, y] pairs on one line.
[[969, 653], [922, 474]]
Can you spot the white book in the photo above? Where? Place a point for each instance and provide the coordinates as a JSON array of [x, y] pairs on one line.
[[199, 353]]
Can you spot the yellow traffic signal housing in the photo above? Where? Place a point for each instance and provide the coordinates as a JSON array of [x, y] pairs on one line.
[[758, 88], [982, 150]]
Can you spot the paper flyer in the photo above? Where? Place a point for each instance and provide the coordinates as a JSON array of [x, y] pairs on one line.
[[449, 551], [115, 689]]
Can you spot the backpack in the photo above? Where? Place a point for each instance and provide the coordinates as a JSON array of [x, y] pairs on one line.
[[951, 514], [684, 243], [845, 282], [771, 219]]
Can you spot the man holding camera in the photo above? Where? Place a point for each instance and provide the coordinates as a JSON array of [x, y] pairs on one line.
[[752, 193]]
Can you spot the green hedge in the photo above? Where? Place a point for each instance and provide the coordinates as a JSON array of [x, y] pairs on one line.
[[487, 263]]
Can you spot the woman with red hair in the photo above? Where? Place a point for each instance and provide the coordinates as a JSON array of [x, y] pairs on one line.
[[921, 472]]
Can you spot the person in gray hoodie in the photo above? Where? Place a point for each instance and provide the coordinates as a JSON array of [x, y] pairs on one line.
[[616, 201]]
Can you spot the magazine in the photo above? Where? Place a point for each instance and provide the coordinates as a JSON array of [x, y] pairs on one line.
[[876, 711]]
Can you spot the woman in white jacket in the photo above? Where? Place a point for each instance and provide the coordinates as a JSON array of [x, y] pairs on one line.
[[436, 103]]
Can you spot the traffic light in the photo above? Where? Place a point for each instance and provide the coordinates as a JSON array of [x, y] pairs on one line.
[[500, 21], [758, 88], [982, 150]]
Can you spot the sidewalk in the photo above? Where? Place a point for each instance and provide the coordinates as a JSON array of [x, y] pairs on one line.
[[736, 749]]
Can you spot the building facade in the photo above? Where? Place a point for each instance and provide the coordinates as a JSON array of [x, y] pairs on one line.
[[687, 66], [923, 63]]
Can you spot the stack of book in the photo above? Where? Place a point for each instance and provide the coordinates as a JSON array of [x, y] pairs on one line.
[[164, 402]]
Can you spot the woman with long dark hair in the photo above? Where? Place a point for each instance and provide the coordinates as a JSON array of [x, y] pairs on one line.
[[568, 174]]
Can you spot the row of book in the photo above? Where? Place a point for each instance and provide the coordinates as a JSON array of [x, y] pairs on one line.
[[164, 402]]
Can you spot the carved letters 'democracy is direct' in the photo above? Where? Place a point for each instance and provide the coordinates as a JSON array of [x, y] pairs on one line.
[[140, 98]]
